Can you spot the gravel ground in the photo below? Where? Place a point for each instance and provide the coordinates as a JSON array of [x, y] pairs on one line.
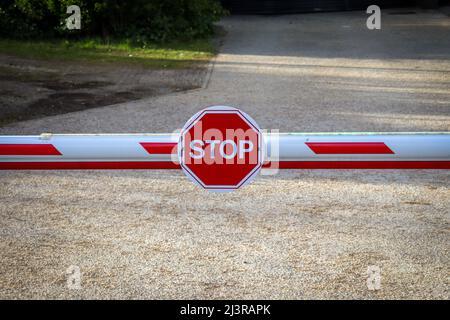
[[299, 234]]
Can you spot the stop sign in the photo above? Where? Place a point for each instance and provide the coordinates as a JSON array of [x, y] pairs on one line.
[[220, 148]]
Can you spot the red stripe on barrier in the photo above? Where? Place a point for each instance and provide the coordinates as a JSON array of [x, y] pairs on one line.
[[160, 147], [361, 165], [349, 148], [135, 165], [28, 150]]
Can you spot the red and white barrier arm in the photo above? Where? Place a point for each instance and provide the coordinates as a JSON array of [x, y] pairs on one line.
[[283, 150], [361, 150]]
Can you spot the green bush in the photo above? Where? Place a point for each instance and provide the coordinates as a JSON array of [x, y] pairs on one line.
[[141, 20]]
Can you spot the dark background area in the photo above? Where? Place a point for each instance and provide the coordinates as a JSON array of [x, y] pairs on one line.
[[296, 6]]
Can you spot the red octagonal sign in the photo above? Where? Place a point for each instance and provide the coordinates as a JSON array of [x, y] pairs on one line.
[[220, 148]]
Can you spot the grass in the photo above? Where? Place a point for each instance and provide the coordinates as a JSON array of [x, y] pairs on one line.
[[174, 55]]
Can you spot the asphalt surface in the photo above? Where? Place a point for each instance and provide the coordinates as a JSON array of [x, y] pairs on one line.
[[36, 88], [299, 234]]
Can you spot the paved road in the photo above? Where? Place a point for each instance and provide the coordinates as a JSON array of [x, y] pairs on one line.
[[300, 234]]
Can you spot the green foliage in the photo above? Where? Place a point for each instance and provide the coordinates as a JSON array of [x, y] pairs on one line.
[[171, 55], [144, 21]]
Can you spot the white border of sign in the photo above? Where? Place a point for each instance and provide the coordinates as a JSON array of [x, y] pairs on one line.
[[193, 120]]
